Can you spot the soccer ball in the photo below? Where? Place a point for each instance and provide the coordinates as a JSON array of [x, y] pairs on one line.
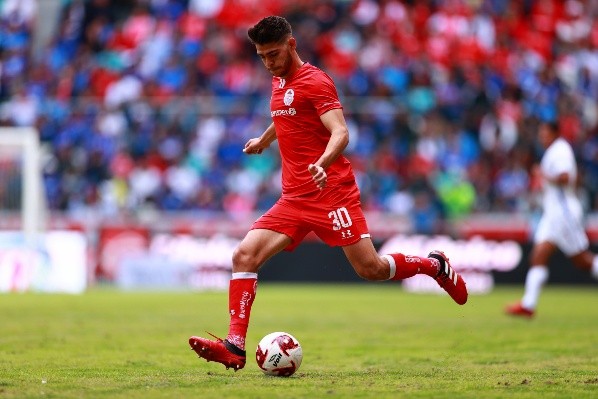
[[279, 354]]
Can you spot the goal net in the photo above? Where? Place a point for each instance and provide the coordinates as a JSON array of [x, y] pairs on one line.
[[22, 197]]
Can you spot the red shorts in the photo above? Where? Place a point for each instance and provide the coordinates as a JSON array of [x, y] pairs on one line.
[[334, 215]]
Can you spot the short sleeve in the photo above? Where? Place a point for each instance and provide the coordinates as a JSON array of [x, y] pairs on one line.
[[561, 160], [324, 95]]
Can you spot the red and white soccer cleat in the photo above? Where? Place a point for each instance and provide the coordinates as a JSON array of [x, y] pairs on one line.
[[518, 310], [219, 350], [449, 279]]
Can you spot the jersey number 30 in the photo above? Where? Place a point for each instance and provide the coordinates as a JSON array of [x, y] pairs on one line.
[[340, 219]]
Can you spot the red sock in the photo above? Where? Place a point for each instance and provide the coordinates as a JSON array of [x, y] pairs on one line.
[[406, 266], [241, 293]]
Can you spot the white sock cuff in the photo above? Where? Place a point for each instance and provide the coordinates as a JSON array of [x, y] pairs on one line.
[[242, 275], [595, 267], [393, 265]]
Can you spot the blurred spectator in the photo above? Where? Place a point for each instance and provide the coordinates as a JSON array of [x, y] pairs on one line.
[[21, 109], [20, 12]]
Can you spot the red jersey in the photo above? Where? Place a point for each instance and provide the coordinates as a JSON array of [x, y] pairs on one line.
[[296, 105]]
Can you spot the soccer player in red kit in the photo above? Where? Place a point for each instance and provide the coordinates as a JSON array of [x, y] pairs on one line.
[[319, 192]]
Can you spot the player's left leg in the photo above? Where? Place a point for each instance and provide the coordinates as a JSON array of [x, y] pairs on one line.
[[369, 265], [337, 218], [257, 247]]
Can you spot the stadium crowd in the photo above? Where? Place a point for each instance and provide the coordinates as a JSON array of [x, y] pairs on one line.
[[148, 103]]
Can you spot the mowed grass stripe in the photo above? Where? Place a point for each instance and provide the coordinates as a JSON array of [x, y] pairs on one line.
[[359, 341]]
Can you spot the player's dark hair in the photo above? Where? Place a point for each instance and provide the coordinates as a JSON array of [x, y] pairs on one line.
[[271, 29], [553, 126]]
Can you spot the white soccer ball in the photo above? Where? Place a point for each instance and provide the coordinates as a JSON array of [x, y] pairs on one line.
[[279, 354]]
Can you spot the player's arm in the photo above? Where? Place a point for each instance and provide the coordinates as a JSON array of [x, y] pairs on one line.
[[562, 179], [258, 144], [334, 121]]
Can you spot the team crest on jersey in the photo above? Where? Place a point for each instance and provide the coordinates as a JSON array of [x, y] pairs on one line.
[[289, 96]]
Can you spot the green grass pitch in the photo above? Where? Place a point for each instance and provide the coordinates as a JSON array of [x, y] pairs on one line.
[[359, 341]]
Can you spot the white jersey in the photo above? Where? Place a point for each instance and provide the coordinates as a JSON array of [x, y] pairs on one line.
[[558, 159], [561, 222]]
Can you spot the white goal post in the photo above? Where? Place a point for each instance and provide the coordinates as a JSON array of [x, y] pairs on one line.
[[21, 183]]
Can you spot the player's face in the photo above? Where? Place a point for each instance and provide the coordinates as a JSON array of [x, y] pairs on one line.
[[545, 135], [277, 57]]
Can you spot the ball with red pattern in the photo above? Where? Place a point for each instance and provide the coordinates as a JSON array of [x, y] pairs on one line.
[[279, 354]]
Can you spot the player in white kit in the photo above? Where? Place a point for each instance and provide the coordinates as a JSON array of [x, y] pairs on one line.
[[561, 225]]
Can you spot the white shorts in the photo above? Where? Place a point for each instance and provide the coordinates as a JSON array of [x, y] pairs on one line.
[[567, 233]]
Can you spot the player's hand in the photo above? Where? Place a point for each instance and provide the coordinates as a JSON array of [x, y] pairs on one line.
[[318, 175], [254, 146]]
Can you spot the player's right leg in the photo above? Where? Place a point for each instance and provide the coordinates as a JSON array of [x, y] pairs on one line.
[[257, 247], [536, 277], [586, 261]]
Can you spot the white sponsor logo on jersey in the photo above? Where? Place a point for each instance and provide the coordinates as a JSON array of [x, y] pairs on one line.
[[283, 112]]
